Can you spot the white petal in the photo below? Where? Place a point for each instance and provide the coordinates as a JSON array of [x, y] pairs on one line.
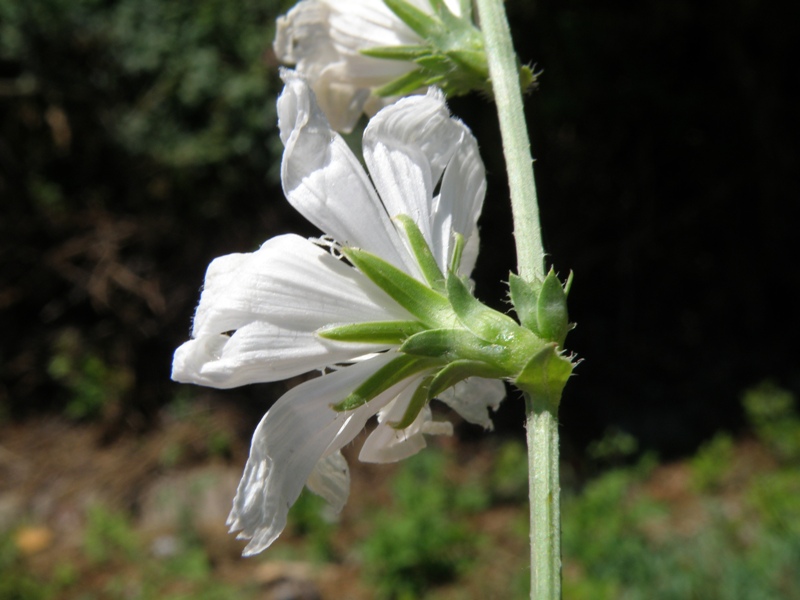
[[472, 397], [258, 313], [292, 282], [259, 352], [407, 147], [291, 439], [325, 182], [461, 200], [331, 480], [387, 444]]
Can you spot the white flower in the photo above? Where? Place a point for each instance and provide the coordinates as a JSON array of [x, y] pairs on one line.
[[324, 39], [260, 314]]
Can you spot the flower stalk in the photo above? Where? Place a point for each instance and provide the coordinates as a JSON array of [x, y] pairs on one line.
[[541, 405]]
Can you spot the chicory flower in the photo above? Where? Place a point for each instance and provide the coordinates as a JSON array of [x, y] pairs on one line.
[[345, 304]]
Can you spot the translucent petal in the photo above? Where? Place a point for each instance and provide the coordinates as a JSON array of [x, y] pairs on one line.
[[387, 444], [473, 397], [331, 480], [298, 431]]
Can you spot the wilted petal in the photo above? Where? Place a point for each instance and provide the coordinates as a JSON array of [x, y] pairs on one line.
[[298, 431], [324, 39], [326, 183], [387, 444], [473, 397]]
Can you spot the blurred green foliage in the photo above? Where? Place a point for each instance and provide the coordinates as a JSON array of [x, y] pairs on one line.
[[621, 542], [772, 412], [713, 461], [421, 539]]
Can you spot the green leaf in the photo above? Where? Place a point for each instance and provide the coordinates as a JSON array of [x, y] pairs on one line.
[[424, 25], [524, 297], [551, 310], [545, 376], [418, 401], [408, 53], [455, 344], [417, 298], [403, 85], [460, 370], [372, 332], [394, 372], [422, 252]]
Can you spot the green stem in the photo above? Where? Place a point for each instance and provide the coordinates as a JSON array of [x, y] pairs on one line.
[[541, 419], [504, 72], [544, 492]]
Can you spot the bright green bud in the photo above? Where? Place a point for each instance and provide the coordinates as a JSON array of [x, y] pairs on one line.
[[542, 306]]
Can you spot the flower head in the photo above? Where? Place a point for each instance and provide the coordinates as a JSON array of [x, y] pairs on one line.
[[296, 306], [326, 40]]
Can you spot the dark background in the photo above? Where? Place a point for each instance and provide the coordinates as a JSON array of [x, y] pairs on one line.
[[137, 142]]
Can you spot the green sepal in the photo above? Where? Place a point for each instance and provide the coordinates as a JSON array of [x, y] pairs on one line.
[[455, 344], [405, 84], [545, 376], [390, 374], [524, 297], [418, 401], [484, 322], [409, 53], [422, 252], [460, 370], [421, 23], [551, 310], [374, 332], [427, 305]]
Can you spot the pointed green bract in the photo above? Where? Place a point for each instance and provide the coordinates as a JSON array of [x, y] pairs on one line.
[[481, 320], [424, 25], [418, 401], [405, 84], [374, 332], [458, 252], [524, 297], [545, 376], [396, 52], [422, 252], [430, 307], [454, 344], [551, 310], [459, 370], [392, 373]]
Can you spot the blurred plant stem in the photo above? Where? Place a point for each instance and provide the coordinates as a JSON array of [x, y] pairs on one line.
[[541, 419]]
